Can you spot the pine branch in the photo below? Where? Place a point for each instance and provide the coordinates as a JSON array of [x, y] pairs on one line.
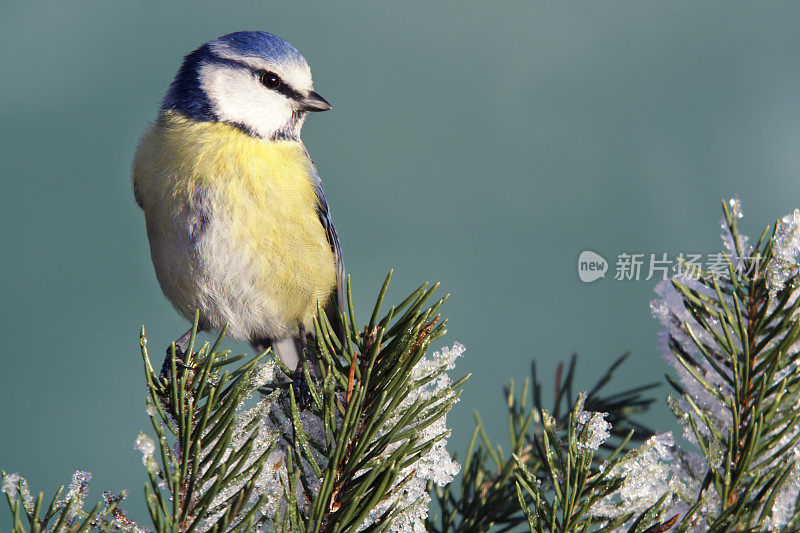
[[65, 514], [488, 495], [208, 455], [737, 357], [733, 338], [377, 420], [565, 499], [563, 502], [358, 458]]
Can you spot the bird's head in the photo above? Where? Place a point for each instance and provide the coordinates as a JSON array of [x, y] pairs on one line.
[[252, 80]]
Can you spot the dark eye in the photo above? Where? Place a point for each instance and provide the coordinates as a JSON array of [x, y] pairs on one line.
[[270, 80]]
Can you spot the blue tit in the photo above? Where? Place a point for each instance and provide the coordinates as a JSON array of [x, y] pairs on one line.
[[237, 219]]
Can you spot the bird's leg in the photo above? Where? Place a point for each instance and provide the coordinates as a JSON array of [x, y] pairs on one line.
[[301, 331], [299, 383], [180, 354]]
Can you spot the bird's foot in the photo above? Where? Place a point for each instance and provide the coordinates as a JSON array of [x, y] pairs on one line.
[[180, 365], [181, 345], [302, 392]]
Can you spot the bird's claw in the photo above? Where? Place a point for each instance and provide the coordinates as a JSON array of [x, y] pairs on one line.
[[302, 392], [180, 365]]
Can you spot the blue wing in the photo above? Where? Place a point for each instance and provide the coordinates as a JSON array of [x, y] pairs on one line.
[[325, 219]]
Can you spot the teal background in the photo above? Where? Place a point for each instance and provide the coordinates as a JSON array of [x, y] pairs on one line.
[[483, 145]]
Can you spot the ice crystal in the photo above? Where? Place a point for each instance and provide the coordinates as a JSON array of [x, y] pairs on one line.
[[784, 506], [786, 248], [677, 340], [146, 445], [265, 435], [10, 482], [78, 490], [264, 373], [593, 430], [14, 485], [656, 468], [437, 465], [277, 426]]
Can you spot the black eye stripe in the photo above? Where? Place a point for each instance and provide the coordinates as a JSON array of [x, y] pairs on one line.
[[283, 88], [272, 81]]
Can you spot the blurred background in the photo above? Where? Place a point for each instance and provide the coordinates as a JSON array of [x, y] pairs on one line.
[[482, 145]]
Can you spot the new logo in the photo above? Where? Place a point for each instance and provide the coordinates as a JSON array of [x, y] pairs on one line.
[[591, 266]]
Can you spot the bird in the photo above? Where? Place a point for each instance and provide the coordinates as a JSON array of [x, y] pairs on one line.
[[239, 228]]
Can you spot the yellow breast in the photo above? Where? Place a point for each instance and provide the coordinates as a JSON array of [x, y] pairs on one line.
[[262, 200]]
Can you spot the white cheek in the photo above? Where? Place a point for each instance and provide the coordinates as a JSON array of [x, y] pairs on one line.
[[236, 96]]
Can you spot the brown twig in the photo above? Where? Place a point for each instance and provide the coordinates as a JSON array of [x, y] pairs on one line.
[[425, 332], [663, 526], [351, 377]]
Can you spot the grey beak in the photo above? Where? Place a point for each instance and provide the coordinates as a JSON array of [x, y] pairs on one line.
[[314, 102]]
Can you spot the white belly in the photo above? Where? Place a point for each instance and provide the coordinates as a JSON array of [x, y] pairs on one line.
[[200, 268]]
